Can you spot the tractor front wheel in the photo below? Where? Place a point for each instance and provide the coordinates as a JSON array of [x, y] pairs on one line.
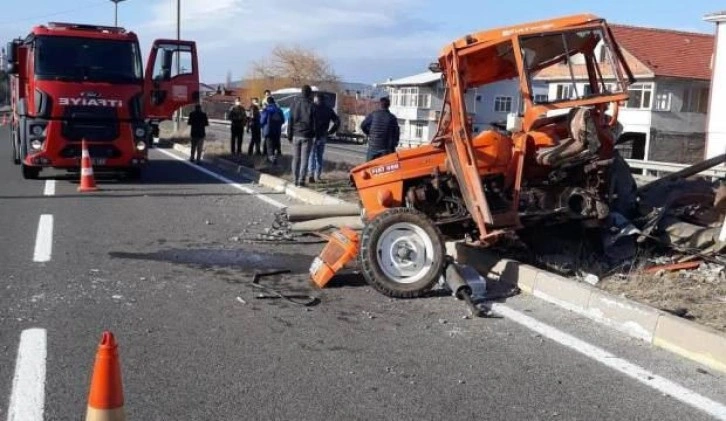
[[401, 253]]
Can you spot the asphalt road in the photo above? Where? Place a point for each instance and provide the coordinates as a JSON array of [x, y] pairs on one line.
[[156, 263]]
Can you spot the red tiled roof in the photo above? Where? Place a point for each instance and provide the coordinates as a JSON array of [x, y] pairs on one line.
[[667, 52]]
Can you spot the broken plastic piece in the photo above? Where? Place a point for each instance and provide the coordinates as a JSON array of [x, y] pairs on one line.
[[674, 267]]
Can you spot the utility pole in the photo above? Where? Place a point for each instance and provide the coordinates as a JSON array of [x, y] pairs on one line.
[[115, 13]]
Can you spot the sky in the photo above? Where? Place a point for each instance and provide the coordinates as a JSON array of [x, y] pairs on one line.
[[365, 40]]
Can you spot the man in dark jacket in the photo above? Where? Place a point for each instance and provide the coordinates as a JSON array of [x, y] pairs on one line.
[[325, 116], [272, 120], [238, 117], [301, 132], [381, 127], [255, 128], [198, 122]]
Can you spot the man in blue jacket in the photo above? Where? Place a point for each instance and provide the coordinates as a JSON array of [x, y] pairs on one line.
[[381, 127], [272, 120], [301, 132], [324, 117]]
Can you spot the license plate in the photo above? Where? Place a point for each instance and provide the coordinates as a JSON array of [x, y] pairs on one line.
[[315, 267], [98, 161]]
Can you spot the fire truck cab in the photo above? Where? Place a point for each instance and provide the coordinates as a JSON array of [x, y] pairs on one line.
[[71, 82]]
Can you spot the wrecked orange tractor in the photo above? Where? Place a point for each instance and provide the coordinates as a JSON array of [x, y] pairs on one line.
[[549, 162]]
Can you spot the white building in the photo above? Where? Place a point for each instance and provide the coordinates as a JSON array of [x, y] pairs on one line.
[[665, 116], [716, 128], [417, 101]]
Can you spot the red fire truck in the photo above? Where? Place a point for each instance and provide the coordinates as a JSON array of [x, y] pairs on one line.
[[71, 82]]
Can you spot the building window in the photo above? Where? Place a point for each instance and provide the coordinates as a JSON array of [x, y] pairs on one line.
[[663, 101], [564, 91], [503, 104], [410, 97], [418, 129], [695, 100], [640, 96], [541, 98]]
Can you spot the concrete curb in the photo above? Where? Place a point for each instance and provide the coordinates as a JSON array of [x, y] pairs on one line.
[[683, 337], [277, 184]]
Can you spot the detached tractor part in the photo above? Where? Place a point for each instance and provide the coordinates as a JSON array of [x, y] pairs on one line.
[[342, 248], [401, 253]]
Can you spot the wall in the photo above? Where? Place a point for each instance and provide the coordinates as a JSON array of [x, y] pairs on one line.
[[675, 120], [717, 108]]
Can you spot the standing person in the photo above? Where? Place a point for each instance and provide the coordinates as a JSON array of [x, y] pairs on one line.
[[271, 120], [381, 127], [255, 129], [324, 116], [301, 132], [238, 116], [198, 122], [265, 100]]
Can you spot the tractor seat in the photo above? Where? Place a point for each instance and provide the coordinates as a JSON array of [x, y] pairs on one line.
[[582, 143]]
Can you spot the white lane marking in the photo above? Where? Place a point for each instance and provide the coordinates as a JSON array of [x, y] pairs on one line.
[[27, 399], [49, 188], [44, 239], [226, 180], [614, 362]]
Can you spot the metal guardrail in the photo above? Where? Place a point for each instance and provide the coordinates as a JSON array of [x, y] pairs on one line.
[[670, 167]]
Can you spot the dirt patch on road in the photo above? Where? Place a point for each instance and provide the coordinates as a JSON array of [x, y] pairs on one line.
[[695, 295], [698, 295]]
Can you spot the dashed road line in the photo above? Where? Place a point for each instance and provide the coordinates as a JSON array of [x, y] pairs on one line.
[[27, 399], [49, 188], [44, 239], [652, 380], [226, 180]]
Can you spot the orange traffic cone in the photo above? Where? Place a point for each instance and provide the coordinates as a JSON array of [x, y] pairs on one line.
[[88, 183], [106, 398]]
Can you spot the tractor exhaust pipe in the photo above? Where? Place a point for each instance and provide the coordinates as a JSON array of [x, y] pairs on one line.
[[460, 289]]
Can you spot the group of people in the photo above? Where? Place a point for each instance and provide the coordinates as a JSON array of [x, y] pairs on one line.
[[310, 123], [262, 122]]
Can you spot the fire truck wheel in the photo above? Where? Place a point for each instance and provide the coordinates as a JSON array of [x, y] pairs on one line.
[[401, 253], [134, 174], [29, 173]]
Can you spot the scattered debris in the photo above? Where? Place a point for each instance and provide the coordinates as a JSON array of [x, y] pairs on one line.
[[241, 300], [673, 267], [591, 279]]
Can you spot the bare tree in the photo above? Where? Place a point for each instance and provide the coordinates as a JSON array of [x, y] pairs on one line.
[[291, 66]]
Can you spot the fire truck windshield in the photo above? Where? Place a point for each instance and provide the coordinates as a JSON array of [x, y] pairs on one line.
[[86, 59]]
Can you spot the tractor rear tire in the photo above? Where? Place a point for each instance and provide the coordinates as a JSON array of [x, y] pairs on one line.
[[401, 253]]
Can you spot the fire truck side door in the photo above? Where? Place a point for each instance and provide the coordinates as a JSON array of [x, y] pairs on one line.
[[172, 77]]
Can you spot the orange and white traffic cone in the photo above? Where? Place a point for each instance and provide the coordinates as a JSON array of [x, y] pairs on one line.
[[106, 397], [88, 182]]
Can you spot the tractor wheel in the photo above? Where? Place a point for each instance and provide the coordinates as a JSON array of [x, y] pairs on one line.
[[401, 253]]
